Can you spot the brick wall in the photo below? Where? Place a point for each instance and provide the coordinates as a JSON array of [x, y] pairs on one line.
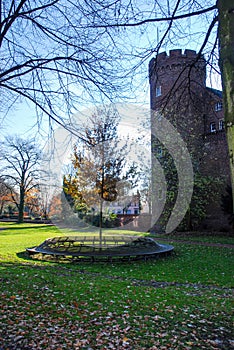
[[178, 91]]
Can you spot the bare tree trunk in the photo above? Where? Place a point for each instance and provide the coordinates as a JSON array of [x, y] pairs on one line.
[[226, 41], [21, 206]]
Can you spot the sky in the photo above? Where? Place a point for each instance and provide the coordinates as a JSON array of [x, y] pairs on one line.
[[22, 119]]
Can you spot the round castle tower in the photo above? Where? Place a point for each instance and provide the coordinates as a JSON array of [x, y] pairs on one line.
[[174, 73], [177, 91]]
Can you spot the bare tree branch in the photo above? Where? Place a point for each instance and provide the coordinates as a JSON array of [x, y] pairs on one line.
[[160, 19], [60, 54]]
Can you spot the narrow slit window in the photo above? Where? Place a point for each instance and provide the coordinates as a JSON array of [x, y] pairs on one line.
[[221, 124], [158, 91]]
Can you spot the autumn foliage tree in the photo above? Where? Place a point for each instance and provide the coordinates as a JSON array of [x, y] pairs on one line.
[[32, 201], [99, 163], [55, 207]]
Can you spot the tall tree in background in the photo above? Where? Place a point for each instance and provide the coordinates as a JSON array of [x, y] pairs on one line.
[[19, 168]]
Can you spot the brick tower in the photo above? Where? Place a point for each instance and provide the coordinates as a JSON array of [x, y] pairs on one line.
[[178, 92]]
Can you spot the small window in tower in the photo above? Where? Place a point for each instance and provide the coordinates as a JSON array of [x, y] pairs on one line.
[[218, 106], [212, 127], [158, 91], [221, 124]]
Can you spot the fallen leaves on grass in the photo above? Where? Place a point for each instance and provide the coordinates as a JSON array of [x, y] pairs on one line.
[[35, 324]]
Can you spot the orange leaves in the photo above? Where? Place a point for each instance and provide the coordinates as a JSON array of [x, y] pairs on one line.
[[75, 304]]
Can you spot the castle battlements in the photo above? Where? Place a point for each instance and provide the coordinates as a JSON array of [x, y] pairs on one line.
[[178, 54], [175, 61]]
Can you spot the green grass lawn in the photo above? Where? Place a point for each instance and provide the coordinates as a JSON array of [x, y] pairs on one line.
[[206, 237], [183, 301]]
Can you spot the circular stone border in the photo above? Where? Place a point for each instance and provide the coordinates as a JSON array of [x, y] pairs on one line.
[[110, 248]]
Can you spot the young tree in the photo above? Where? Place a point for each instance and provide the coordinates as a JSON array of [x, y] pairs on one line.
[[20, 161], [100, 164]]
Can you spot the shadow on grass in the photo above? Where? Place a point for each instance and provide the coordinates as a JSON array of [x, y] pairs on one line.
[[23, 255], [29, 261]]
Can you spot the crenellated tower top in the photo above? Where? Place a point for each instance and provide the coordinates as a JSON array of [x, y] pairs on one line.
[[177, 63], [176, 70]]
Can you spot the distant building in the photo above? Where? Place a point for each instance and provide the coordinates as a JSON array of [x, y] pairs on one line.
[[128, 206], [178, 91]]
